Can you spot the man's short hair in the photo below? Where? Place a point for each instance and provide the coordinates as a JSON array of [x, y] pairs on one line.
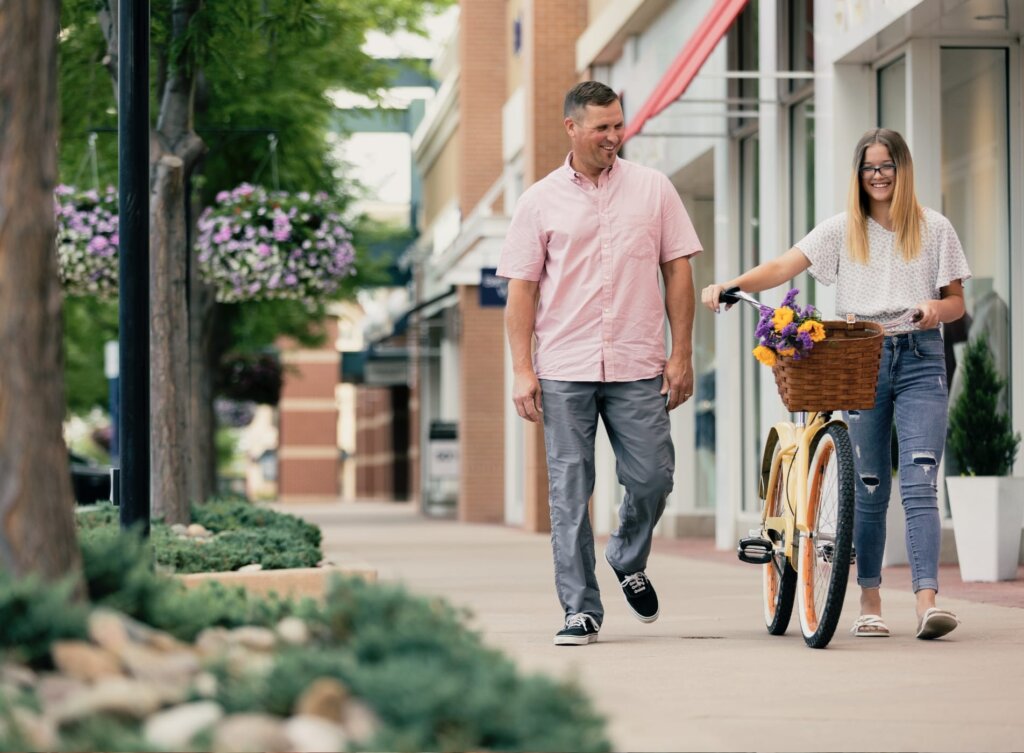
[[587, 93]]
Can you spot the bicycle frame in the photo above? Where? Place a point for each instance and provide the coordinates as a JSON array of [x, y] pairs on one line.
[[793, 460]]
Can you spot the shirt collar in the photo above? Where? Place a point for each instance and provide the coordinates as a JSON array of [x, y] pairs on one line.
[[575, 176]]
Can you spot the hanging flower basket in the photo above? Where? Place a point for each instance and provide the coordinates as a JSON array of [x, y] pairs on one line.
[[255, 245], [87, 241]]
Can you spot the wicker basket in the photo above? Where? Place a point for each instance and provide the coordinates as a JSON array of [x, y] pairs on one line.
[[840, 373]]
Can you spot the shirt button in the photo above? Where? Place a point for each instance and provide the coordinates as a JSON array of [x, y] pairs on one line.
[[607, 311]]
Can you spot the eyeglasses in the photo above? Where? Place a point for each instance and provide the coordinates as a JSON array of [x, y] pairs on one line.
[[886, 170]]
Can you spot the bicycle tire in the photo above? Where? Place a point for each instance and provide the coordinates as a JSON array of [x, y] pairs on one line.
[[778, 579], [823, 562]]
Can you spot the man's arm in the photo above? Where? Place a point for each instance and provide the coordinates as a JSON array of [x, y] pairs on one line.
[[520, 315], [677, 382]]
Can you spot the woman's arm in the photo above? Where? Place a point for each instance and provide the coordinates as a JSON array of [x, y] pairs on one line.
[[762, 277], [948, 309]]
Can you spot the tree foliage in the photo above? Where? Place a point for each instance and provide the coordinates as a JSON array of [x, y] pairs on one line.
[[980, 436], [264, 68]]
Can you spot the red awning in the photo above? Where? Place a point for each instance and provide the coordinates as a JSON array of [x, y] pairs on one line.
[[689, 62]]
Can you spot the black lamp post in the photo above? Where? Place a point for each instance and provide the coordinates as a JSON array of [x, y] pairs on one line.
[[133, 231]]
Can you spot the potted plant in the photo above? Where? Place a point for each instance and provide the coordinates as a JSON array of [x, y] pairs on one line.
[[987, 504]]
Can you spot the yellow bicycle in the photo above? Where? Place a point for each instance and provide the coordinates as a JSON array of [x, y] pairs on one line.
[[806, 483]]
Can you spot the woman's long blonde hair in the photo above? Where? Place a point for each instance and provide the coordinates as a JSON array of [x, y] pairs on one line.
[[904, 211]]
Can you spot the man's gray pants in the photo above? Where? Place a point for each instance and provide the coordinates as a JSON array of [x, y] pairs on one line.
[[638, 426]]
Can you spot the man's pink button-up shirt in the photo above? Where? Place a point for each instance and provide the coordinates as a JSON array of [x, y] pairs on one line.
[[596, 252]]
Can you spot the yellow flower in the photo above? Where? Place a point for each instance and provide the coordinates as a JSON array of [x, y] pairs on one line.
[[786, 352], [765, 355], [816, 330], [782, 317]]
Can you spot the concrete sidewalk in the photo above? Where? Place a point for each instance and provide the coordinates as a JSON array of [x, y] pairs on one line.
[[706, 676]]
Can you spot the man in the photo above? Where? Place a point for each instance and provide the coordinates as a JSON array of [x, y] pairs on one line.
[[582, 256]]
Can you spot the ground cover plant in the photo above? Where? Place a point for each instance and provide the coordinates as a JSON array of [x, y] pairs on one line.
[[423, 679]]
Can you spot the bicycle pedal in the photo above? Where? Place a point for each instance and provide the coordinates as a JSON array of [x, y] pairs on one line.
[[755, 550]]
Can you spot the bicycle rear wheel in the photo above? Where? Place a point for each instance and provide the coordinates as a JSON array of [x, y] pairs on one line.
[[778, 576], [823, 564]]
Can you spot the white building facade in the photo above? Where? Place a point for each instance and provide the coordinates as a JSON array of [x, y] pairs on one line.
[[767, 100]]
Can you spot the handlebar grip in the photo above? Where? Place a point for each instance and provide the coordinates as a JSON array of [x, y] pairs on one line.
[[729, 296]]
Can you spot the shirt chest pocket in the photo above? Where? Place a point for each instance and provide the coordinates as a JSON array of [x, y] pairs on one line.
[[638, 235]]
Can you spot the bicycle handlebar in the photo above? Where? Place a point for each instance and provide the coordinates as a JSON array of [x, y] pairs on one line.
[[735, 295]]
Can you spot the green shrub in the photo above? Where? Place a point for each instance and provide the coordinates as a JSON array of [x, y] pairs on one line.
[[980, 436], [34, 614], [119, 575], [225, 514], [245, 534], [432, 681]]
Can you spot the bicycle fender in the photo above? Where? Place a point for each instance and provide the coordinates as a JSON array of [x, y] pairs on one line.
[[783, 432]]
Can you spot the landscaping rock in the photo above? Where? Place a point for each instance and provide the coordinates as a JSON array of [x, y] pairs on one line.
[[293, 631], [173, 728], [115, 695], [324, 698], [213, 641], [309, 734], [108, 630], [179, 529], [53, 689], [84, 661], [249, 733], [205, 685], [197, 531], [159, 666], [360, 721], [256, 638]]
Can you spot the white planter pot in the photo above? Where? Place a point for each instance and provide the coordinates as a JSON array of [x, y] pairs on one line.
[[988, 512]]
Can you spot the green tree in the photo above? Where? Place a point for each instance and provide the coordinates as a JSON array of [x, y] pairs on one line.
[[226, 75], [980, 436]]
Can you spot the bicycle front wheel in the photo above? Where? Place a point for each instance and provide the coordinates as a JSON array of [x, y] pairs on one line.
[[778, 576], [823, 563]]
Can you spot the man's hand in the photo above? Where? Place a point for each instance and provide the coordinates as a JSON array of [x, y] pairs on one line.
[[526, 395], [677, 381]]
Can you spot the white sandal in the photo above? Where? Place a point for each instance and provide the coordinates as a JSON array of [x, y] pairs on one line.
[[870, 626]]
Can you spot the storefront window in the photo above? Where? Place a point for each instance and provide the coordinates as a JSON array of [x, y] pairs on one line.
[[976, 190], [892, 96], [800, 17], [743, 47], [801, 181]]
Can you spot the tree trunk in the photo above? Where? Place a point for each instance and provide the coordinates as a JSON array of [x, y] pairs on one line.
[[37, 530], [169, 365], [202, 313]]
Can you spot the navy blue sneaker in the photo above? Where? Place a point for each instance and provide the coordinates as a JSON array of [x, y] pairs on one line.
[[640, 595], [580, 629]]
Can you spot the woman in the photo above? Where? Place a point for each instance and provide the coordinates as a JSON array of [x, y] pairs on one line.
[[888, 256]]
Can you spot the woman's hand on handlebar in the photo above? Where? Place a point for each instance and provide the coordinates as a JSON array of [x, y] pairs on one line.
[[711, 295], [929, 315]]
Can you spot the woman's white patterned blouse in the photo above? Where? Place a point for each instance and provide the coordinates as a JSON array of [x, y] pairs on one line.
[[885, 288]]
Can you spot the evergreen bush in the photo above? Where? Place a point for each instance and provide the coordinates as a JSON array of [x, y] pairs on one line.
[[980, 436], [245, 534], [431, 681]]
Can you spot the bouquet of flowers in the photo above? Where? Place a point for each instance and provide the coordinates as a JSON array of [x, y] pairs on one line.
[[256, 245], [788, 331], [87, 240]]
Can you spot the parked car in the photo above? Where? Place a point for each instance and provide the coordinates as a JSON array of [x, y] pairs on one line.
[[90, 481]]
